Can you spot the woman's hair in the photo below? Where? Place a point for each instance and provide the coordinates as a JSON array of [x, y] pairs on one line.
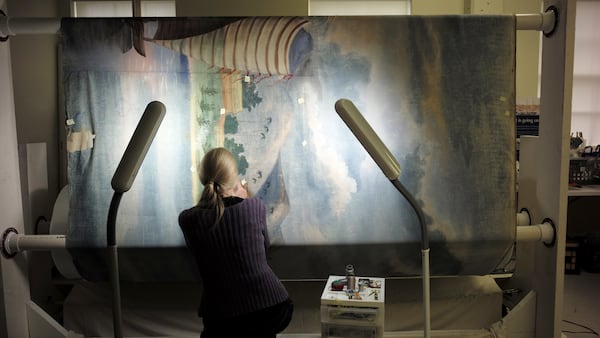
[[217, 172]]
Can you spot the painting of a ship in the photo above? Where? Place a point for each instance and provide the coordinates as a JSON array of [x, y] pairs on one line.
[[260, 45], [265, 88]]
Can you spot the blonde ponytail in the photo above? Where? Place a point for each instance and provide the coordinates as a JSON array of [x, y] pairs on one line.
[[217, 172]]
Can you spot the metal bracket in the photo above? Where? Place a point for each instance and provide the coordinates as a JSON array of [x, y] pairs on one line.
[[524, 217], [553, 240], [4, 38], [549, 32], [5, 237]]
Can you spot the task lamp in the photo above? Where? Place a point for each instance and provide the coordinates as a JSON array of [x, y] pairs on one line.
[[391, 168], [121, 182]]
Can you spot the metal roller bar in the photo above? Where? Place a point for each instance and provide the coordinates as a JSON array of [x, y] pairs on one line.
[[14, 243], [523, 218], [24, 26], [536, 233], [27, 26], [544, 22], [37, 242]]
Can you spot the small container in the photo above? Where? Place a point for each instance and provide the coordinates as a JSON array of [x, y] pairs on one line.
[[350, 278], [362, 284]]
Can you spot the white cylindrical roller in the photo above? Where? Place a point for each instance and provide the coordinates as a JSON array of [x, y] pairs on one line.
[[538, 22], [23, 26], [15, 243], [523, 218], [535, 233], [58, 226]]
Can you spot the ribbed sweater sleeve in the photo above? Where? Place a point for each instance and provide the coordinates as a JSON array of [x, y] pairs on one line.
[[231, 258]]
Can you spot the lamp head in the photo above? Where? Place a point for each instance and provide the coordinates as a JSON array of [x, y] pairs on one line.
[[368, 138], [138, 147]]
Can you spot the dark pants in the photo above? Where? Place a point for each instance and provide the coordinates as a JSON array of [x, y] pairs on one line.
[[265, 323]]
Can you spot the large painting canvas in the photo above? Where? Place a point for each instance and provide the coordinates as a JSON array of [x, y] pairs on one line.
[[439, 91]]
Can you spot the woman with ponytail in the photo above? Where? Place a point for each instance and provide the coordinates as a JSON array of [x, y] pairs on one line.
[[227, 235]]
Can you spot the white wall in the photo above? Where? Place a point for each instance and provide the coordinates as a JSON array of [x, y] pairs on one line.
[[34, 66], [436, 7], [241, 7], [14, 271], [586, 72]]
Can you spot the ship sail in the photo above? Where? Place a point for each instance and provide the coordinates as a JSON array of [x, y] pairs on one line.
[[258, 45]]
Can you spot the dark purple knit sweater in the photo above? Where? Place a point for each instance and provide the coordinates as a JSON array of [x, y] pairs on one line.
[[231, 259]]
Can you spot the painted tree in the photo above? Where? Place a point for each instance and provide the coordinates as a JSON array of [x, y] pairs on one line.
[[237, 150], [250, 98], [231, 124]]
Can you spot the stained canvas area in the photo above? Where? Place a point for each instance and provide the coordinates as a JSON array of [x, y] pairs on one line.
[[438, 90]]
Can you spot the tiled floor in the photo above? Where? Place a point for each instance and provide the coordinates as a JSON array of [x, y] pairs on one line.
[[581, 310]]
